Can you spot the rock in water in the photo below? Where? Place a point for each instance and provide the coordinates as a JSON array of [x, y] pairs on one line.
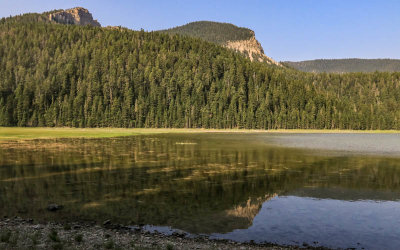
[[77, 16], [54, 207]]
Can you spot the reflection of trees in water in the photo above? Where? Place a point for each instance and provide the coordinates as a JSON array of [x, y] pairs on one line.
[[196, 183]]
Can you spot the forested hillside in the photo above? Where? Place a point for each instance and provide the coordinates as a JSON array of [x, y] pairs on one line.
[[239, 39], [212, 31], [82, 76], [347, 65]]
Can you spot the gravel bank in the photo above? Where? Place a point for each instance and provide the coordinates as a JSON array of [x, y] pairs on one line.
[[25, 234]]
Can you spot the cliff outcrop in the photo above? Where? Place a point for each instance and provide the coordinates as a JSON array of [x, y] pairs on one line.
[[252, 49], [77, 16]]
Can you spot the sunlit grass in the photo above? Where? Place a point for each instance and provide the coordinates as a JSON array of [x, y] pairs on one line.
[[18, 133]]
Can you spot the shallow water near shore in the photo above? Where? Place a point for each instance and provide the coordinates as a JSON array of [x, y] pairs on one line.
[[333, 190]]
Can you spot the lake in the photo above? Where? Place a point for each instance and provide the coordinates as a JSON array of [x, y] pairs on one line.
[[332, 190]]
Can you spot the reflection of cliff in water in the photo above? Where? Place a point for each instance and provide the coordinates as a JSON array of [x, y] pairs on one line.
[[199, 183]]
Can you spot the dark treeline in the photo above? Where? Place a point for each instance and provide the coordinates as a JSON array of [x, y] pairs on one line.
[[347, 65], [66, 75]]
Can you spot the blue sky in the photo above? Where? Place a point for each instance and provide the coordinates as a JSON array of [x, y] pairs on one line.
[[287, 29]]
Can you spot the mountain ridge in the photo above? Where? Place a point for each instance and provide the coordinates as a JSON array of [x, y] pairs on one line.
[[346, 65], [228, 35]]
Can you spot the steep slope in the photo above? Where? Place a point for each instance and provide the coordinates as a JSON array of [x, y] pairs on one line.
[[347, 65], [236, 38]]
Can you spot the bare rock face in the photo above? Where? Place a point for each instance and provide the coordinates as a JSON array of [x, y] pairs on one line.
[[252, 49], [77, 16]]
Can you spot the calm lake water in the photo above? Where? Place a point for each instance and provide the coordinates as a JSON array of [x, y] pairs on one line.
[[333, 190]]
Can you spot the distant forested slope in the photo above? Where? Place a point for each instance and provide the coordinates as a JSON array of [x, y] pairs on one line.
[[212, 31], [239, 39], [82, 76], [347, 65]]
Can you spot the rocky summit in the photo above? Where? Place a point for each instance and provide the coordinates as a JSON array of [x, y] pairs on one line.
[[77, 16]]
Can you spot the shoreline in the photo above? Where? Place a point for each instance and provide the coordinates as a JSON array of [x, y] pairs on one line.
[[31, 133], [18, 233]]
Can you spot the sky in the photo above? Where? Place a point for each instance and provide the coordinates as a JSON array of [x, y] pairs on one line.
[[289, 30]]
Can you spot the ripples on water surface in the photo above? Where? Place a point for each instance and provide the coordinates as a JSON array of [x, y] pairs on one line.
[[335, 190]]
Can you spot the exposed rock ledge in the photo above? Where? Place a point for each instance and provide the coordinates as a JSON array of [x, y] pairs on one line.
[[77, 16], [251, 48]]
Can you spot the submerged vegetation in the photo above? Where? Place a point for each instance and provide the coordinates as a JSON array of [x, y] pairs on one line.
[[200, 183], [75, 76]]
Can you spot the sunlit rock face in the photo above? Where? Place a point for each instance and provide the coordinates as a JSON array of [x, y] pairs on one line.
[[77, 16], [252, 49]]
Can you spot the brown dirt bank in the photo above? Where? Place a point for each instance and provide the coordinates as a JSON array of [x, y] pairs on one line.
[[25, 234]]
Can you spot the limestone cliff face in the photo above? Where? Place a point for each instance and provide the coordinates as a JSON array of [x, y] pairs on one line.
[[77, 16], [251, 48]]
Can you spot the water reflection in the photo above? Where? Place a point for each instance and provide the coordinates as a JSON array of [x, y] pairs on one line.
[[200, 183], [331, 223]]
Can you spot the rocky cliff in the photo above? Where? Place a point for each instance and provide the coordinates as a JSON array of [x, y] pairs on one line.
[[77, 16], [252, 49]]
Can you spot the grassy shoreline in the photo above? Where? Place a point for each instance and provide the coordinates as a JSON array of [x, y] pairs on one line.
[[25, 133]]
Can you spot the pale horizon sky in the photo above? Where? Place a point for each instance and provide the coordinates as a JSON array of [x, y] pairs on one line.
[[288, 30]]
